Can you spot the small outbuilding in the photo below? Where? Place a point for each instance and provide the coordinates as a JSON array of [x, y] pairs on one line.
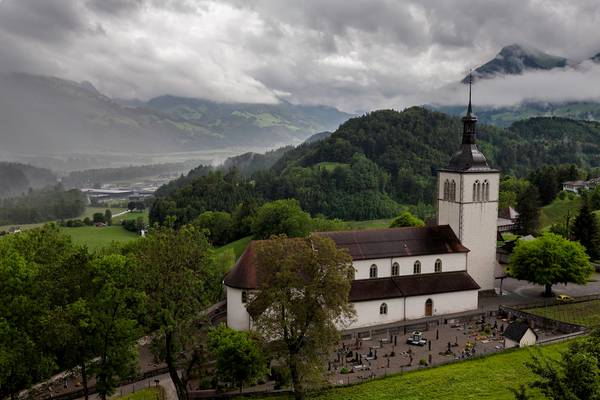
[[519, 334]]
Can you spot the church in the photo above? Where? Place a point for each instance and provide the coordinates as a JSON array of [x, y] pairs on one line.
[[415, 272]]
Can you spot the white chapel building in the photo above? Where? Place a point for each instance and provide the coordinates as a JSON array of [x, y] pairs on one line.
[[411, 273]]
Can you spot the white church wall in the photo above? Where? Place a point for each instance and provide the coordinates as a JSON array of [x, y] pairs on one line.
[[237, 316], [443, 303], [367, 313], [362, 267], [450, 262]]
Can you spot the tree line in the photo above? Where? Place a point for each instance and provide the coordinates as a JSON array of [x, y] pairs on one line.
[[41, 205]]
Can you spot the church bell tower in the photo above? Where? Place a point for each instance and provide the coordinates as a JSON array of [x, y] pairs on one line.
[[468, 201]]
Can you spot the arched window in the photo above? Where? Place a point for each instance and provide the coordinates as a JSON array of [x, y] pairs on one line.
[[244, 297], [429, 308], [446, 190], [438, 265], [383, 309], [417, 267], [453, 190], [373, 271], [477, 195], [486, 190], [395, 269]]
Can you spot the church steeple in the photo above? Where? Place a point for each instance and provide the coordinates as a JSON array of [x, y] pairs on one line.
[[469, 157], [469, 120]]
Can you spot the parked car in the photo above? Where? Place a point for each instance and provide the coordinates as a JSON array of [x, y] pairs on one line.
[[416, 339], [563, 298]]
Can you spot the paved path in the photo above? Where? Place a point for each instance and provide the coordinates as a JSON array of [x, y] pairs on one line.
[[164, 380]]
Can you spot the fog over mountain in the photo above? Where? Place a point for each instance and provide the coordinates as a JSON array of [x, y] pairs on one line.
[[170, 76]]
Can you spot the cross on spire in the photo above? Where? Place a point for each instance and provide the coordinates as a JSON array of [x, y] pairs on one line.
[[470, 109]]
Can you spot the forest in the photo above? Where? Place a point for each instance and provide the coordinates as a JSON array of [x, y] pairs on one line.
[[378, 164]]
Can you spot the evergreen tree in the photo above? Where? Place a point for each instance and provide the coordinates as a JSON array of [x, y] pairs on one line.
[[586, 230], [528, 207]]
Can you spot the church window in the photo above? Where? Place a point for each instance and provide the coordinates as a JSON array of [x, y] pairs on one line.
[[446, 190], [373, 271], [383, 309], [417, 267], [244, 297], [453, 190], [438, 265], [395, 269], [477, 191], [486, 190]]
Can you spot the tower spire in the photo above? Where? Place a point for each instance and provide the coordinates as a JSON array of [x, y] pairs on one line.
[[470, 109], [470, 119]]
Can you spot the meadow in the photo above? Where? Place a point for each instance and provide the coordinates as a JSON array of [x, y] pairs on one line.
[[489, 377], [586, 313]]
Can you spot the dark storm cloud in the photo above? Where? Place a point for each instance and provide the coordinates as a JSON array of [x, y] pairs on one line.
[[357, 55]]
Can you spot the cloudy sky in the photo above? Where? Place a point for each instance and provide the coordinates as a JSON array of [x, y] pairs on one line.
[[352, 54]]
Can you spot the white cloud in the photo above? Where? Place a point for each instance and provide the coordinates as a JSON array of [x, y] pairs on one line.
[[357, 55]]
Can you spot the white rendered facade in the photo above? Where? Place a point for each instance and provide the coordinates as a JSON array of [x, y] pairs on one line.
[[473, 217]]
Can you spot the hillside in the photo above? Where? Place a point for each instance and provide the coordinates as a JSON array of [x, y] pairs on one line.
[[48, 115], [376, 164], [16, 178], [252, 124]]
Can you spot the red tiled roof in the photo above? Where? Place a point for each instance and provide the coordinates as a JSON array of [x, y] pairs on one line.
[[411, 285], [397, 242]]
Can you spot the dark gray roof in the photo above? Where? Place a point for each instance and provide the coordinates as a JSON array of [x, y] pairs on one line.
[[411, 285], [516, 330], [397, 242], [468, 159]]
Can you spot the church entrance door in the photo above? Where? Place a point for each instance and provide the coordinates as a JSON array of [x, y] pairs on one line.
[[428, 308]]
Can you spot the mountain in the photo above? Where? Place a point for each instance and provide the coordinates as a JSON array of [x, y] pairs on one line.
[[596, 58], [17, 178], [318, 137], [49, 115], [516, 59], [374, 165], [252, 124], [249, 163]]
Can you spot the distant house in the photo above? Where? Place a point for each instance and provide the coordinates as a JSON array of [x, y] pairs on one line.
[[577, 186], [519, 334], [507, 219]]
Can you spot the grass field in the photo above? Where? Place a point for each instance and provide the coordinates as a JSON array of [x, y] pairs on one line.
[[96, 237], [586, 313], [483, 378], [151, 393], [558, 210], [370, 224]]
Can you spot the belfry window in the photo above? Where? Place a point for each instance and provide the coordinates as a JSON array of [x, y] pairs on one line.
[[395, 269], [438, 265], [417, 267], [244, 297], [453, 190], [383, 309], [446, 189], [477, 194], [486, 190], [373, 271]]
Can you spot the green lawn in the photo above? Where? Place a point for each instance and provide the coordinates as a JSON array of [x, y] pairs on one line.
[[370, 224], [558, 210], [484, 378], [586, 313], [151, 393], [229, 253], [96, 237]]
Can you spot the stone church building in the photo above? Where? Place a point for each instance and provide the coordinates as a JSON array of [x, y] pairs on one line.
[[411, 273]]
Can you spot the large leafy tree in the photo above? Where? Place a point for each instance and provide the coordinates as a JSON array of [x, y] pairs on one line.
[[304, 284], [238, 356], [180, 277], [550, 259], [406, 219], [281, 217]]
